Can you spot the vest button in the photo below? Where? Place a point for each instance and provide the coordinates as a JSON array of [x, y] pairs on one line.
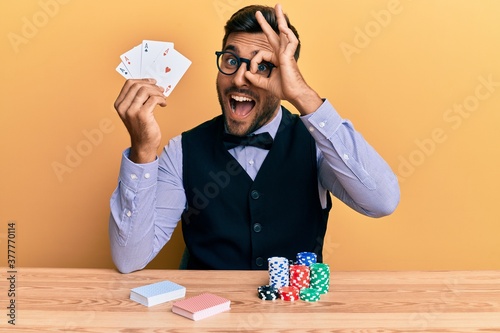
[[259, 261], [255, 194], [257, 227]]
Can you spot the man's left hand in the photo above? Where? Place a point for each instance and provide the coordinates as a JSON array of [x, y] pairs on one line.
[[286, 82]]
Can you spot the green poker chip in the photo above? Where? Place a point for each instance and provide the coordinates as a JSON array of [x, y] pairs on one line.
[[310, 294], [320, 277]]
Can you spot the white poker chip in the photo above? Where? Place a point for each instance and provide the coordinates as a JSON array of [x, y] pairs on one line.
[[278, 271]]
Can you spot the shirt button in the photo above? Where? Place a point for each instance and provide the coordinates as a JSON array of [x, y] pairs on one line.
[[321, 124], [257, 227], [346, 157], [133, 176], [251, 162], [255, 194], [259, 261], [311, 129], [129, 213], [147, 175]]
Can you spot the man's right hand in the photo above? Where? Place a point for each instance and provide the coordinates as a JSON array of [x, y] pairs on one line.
[[135, 105]]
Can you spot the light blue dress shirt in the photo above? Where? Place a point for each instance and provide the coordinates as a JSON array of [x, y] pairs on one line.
[[149, 199]]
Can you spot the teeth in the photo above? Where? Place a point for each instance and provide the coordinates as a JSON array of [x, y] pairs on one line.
[[241, 99]]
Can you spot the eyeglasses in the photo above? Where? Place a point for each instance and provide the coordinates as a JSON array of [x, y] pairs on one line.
[[228, 63]]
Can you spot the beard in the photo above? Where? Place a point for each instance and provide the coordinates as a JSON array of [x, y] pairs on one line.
[[268, 105]]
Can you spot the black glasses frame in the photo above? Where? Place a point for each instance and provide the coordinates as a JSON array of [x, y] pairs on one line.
[[240, 61]]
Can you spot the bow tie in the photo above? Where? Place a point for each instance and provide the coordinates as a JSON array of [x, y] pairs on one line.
[[262, 140]]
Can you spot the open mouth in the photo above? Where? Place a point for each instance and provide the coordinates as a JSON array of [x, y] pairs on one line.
[[241, 105]]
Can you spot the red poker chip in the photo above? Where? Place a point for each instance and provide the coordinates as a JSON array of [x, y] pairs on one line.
[[290, 293], [300, 276]]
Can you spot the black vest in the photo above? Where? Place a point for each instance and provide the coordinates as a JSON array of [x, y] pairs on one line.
[[232, 222]]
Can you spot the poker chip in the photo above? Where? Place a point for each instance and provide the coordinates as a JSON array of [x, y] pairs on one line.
[[306, 258], [278, 272], [305, 280], [320, 277], [309, 295], [268, 293], [299, 276], [289, 294]]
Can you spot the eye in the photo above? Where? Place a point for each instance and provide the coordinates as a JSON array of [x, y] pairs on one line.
[[263, 67], [231, 61]]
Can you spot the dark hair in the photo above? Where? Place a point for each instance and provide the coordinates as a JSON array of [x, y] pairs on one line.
[[244, 21]]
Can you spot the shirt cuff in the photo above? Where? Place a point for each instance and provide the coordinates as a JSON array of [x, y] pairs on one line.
[[324, 122], [138, 176]]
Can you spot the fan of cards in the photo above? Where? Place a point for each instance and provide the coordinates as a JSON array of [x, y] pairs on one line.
[[157, 60]]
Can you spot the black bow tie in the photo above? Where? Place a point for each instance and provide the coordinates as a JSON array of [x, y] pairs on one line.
[[262, 140]]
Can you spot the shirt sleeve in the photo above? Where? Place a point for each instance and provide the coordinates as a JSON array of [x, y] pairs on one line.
[[349, 167], [137, 232]]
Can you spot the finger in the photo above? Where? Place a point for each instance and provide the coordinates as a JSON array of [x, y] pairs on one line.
[[271, 35], [155, 100], [128, 84], [262, 56], [257, 80], [288, 40], [135, 93], [280, 17], [138, 100]]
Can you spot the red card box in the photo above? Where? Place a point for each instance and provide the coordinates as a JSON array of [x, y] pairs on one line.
[[201, 306]]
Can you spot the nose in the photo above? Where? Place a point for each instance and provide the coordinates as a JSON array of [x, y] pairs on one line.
[[239, 78]]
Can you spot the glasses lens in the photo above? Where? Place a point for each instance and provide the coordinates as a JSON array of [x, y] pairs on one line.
[[228, 62]]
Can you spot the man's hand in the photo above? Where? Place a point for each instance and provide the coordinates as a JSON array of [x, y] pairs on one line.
[[287, 83], [135, 105]]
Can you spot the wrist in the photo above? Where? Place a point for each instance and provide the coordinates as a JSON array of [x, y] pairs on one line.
[[307, 102], [141, 156]]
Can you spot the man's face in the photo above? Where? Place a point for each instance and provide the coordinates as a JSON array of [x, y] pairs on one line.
[[244, 106]]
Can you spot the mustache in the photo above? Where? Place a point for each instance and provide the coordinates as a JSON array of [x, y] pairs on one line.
[[237, 90]]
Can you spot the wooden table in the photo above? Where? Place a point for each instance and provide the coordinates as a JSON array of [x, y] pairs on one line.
[[97, 300]]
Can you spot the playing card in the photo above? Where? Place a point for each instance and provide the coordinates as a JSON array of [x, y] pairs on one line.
[[150, 49], [201, 306], [167, 69], [132, 61], [122, 69]]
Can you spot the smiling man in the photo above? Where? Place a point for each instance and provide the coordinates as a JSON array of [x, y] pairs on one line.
[[254, 182]]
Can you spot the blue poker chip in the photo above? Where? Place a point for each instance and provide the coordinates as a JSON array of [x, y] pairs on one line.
[[306, 258]]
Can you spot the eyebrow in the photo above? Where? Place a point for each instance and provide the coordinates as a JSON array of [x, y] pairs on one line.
[[235, 49]]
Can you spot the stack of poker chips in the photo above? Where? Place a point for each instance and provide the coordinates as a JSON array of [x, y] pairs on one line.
[[268, 293], [305, 280], [299, 276], [309, 294], [306, 258], [289, 293], [278, 272], [320, 277]]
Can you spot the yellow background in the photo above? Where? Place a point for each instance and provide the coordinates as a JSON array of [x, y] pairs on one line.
[[411, 75]]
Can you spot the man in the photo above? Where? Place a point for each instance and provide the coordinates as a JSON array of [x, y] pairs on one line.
[[241, 204]]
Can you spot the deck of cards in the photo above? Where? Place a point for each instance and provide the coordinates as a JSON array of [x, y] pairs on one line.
[[201, 306], [156, 293], [157, 60]]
